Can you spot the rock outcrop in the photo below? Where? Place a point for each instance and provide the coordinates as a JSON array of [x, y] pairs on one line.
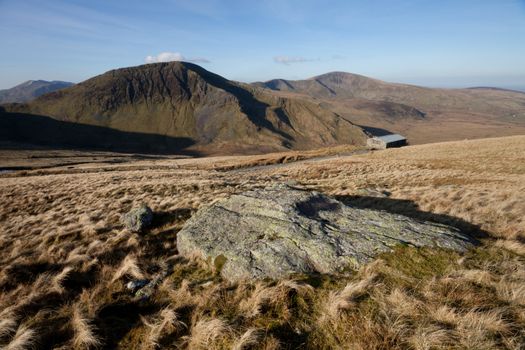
[[138, 219], [279, 231]]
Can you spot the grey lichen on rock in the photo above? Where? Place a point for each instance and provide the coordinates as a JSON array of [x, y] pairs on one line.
[[278, 231], [138, 219]]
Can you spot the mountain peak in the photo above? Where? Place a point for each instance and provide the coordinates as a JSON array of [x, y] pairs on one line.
[[31, 89], [328, 85], [173, 65], [338, 74], [344, 78]]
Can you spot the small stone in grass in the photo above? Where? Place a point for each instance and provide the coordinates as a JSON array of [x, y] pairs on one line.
[[138, 219]]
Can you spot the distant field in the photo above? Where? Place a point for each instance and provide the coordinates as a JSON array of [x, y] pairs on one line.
[[44, 158], [65, 257], [69, 160]]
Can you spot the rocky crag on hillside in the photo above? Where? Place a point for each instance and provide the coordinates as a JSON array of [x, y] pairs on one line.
[[278, 231]]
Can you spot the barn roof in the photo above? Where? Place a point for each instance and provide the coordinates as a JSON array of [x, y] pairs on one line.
[[391, 138]]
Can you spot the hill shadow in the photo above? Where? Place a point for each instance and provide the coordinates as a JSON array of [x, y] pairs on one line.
[[411, 209], [45, 131]]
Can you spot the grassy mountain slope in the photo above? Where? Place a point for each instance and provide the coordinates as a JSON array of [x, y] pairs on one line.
[[449, 114], [183, 100]]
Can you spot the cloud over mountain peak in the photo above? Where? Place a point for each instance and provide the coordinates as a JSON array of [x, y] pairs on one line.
[[174, 56]]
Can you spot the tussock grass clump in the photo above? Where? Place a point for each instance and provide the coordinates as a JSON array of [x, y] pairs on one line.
[[57, 281], [205, 333], [130, 267], [7, 324], [24, 338], [264, 296], [248, 339], [85, 336], [346, 298], [165, 324]]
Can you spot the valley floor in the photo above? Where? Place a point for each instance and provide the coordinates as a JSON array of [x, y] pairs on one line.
[[65, 257]]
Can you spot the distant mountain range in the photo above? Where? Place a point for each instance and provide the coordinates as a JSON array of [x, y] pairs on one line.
[[30, 90], [517, 89], [181, 107], [345, 86]]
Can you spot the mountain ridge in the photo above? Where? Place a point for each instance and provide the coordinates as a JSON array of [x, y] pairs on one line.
[[213, 115], [334, 75], [449, 114], [183, 100], [30, 90]]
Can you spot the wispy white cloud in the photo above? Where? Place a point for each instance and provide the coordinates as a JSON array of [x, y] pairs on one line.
[[63, 21], [287, 60], [174, 56]]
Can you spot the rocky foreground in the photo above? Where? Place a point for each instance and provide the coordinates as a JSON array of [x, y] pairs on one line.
[[279, 231]]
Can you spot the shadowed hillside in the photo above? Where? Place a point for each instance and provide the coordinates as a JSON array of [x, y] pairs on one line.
[[45, 131]]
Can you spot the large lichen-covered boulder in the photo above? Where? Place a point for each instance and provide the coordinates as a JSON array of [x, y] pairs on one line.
[[138, 219], [278, 231]]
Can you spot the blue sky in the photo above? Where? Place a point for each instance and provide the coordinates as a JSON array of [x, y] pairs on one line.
[[435, 43]]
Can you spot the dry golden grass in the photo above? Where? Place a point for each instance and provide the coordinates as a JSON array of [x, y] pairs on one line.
[[345, 299], [65, 257], [84, 333], [206, 333], [250, 338], [167, 323], [24, 338]]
